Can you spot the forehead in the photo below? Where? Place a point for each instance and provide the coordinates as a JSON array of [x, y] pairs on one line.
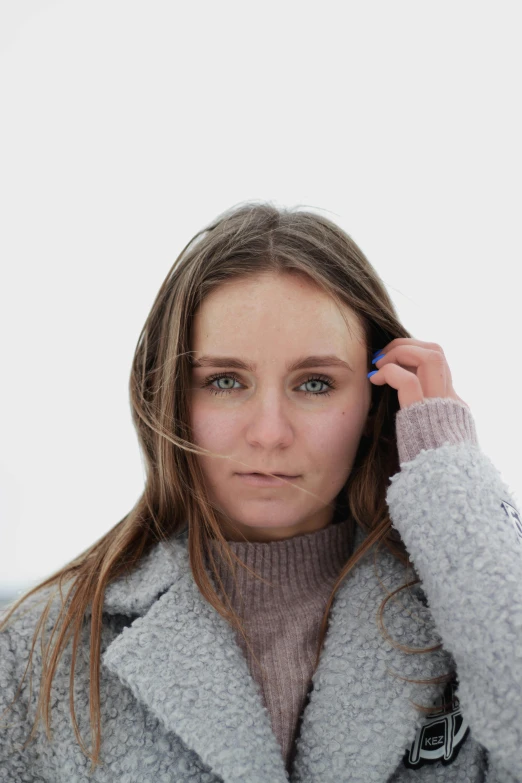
[[264, 287], [272, 310]]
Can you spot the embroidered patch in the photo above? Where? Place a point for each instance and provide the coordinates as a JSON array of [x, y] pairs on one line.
[[514, 516], [441, 737]]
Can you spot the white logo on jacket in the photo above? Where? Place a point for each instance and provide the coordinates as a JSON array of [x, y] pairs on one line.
[[442, 736]]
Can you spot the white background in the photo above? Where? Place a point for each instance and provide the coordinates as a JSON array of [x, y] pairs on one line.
[[126, 126]]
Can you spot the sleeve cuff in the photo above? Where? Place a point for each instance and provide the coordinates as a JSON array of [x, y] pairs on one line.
[[431, 423]]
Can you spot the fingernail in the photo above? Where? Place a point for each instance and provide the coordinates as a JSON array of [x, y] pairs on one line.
[[376, 352], [377, 358], [372, 373]]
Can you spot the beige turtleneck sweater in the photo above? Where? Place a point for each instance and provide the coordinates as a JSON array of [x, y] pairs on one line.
[[283, 621]]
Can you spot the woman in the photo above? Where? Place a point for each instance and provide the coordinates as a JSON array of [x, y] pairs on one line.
[[234, 627]]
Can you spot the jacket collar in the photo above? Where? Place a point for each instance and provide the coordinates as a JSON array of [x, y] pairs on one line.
[[181, 660], [135, 593]]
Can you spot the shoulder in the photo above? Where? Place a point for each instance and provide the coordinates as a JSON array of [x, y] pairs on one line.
[[19, 687], [16, 637], [21, 661], [126, 598]]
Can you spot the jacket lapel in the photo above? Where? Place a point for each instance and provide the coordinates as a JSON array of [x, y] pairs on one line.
[[182, 661]]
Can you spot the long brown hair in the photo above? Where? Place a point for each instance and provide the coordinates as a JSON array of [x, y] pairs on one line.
[[244, 241]]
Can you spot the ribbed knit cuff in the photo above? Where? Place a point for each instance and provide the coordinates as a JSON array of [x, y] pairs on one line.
[[432, 423]]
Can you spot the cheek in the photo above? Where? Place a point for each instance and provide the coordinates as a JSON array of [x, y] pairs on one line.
[[338, 436], [209, 428]]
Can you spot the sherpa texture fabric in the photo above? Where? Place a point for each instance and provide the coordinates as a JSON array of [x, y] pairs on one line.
[[179, 701]]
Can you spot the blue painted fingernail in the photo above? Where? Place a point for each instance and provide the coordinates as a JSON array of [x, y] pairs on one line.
[[372, 373], [378, 357], [376, 352]]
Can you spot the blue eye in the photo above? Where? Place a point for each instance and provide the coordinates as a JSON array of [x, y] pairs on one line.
[[325, 380]]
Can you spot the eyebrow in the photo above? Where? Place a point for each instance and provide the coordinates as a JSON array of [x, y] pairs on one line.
[[242, 364]]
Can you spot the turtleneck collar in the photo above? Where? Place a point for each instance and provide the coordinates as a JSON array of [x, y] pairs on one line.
[[298, 569]]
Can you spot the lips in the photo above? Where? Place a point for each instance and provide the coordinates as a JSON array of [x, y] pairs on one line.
[[281, 475]]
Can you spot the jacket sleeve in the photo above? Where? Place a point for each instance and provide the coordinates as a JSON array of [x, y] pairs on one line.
[[15, 726], [463, 533]]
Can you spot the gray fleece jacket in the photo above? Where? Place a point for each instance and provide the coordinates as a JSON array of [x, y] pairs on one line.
[[179, 704]]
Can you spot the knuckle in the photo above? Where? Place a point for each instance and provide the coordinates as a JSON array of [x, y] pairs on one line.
[[438, 357]]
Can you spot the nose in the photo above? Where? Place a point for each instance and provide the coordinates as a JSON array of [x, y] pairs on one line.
[[269, 424]]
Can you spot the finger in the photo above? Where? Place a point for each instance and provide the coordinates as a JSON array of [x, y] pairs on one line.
[[421, 344], [411, 355], [431, 368], [411, 341], [408, 341], [408, 386]]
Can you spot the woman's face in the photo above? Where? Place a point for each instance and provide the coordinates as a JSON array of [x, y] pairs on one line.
[[270, 418]]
